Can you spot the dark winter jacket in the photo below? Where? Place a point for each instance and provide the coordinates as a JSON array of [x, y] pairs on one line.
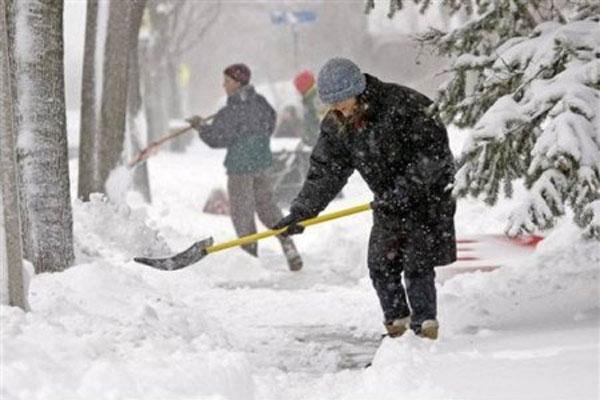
[[244, 126], [403, 156]]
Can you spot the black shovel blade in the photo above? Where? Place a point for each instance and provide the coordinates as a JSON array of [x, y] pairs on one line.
[[192, 255]]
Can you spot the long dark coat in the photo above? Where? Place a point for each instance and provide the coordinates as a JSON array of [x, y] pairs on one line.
[[403, 155]]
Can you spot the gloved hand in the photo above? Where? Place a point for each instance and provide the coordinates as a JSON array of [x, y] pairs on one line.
[[291, 221], [195, 121]]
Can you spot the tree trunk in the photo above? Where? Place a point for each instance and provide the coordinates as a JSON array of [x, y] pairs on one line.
[[114, 88], [172, 71], [173, 97], [153, 77], [135, 97], [88, 133], [11, 252], [42, 136], [141, 181], [156, 118]]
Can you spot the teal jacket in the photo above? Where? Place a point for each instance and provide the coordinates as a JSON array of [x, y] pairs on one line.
[[244, 127]]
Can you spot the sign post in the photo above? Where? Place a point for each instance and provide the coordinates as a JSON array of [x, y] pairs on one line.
[[293, 18]]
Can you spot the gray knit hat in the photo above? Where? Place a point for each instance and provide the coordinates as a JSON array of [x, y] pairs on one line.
[[340, 79]]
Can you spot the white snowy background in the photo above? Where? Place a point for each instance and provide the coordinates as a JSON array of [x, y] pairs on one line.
[[234, 327]]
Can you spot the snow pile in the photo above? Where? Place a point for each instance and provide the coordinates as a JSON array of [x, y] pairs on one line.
[[114, 232], [418, 361], [559, 283], [236, 327], [99, 331], [495, 329]]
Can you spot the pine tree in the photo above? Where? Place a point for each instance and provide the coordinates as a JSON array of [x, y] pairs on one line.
[[526, 80]]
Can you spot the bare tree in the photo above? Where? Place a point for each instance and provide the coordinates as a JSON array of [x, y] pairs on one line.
[[42, 137], [141, 181], [11, 253], [113, 109], [88, 129], [121, 98], [176, 27]]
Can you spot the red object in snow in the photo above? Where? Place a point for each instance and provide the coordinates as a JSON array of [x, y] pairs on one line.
[[488, 252], [522, 240], [217, 202], [527, 240]]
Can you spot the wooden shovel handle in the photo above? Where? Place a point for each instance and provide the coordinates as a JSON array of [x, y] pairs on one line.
[[153, 147]]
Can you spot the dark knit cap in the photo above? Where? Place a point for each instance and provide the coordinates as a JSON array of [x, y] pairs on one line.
[[238, 72]]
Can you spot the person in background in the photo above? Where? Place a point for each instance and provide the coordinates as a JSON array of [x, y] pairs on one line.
[[305, 84], [244, 127], [290, 125], [385, 131]]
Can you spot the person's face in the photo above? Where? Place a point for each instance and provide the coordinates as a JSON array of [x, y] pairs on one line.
[[347, 107], [230, 85]]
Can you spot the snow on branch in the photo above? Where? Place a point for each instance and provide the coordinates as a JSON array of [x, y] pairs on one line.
[[526, 79], [544, 127]]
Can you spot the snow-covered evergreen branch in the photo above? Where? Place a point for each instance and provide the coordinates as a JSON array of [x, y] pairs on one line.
[[556, 106], [526, 79]]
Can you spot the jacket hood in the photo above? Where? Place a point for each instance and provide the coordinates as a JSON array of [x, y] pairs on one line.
[[243, 94]]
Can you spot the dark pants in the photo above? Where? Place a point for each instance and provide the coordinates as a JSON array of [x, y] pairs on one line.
[[388, 260]]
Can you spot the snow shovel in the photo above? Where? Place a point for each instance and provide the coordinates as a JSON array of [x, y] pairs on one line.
[[200, 249], [153, 147]]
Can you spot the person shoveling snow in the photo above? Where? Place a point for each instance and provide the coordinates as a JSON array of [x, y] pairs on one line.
[[371, 127], [244, 127], [383, 131]]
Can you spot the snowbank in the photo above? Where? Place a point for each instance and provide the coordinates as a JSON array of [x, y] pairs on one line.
[[552, 303], [102, 331], [235, 327], [108, 328], [114, 232], [558, 284]]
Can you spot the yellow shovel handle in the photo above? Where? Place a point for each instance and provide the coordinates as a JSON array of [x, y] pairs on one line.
[[273, 232]]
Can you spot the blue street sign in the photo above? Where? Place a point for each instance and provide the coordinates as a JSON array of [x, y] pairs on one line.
[[305, 16], [293, 17]]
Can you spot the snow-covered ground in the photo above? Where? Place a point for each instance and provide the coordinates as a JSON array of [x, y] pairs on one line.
[[234, 327]]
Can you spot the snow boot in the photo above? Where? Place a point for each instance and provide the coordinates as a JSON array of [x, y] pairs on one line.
[[397, 327], [291, 253], [429, 329]]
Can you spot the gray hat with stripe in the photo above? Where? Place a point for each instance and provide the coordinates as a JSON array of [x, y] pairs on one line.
[[340, 79]]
